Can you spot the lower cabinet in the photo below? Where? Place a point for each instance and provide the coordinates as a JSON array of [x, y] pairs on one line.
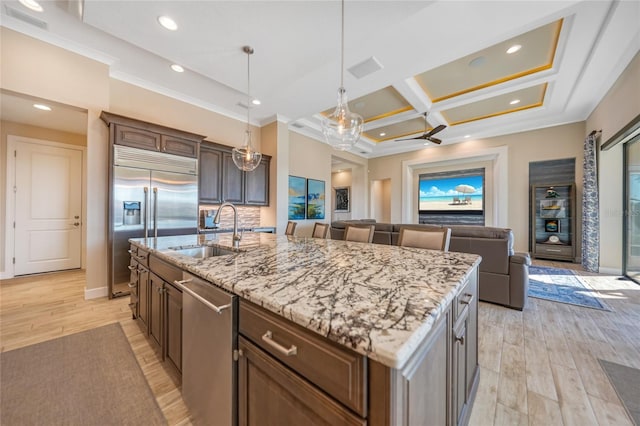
[[173, 321], [271, 394], [159, 308]]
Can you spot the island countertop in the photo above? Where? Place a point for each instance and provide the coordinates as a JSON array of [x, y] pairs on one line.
[[378, 300]]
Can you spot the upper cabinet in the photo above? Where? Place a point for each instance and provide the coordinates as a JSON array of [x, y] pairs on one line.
[[152, 137], [221, 181]]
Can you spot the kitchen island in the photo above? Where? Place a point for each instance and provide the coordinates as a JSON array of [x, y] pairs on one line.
[[406, 318]]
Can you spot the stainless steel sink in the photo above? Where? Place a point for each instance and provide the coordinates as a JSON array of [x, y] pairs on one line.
[[204, 252]]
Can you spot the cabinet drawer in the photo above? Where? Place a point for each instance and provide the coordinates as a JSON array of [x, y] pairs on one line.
[[164, 270], [556, 250], [338, 371], [466, 296]]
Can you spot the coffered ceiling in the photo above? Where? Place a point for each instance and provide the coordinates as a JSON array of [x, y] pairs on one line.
[[402, 59]]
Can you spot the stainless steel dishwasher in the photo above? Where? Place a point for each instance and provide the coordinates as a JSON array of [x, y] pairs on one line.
[[209, 338]]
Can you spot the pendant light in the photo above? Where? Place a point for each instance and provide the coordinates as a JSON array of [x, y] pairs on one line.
[[342, 128], [246, 158]]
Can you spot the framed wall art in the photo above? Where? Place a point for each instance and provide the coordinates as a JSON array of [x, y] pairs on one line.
[[315, 199], [297, 197], [342, 199]]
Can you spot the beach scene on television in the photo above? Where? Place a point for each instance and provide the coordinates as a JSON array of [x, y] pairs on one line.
[[455, 193]]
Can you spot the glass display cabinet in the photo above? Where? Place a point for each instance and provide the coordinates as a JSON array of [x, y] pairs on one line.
[[553, 221]]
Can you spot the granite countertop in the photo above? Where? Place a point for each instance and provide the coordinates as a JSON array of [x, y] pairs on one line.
[[379, 300]]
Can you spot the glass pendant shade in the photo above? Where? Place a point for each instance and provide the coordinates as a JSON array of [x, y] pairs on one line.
[[342, 128], [246, 158]]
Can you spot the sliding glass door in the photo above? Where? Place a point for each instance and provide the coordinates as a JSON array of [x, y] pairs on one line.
[[632, 210]]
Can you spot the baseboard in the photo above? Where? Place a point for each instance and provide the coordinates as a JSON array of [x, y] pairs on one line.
[[609, 271], [95, 293]]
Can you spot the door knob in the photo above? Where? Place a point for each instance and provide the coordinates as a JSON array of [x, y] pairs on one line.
[[76, 224], [76, 217]]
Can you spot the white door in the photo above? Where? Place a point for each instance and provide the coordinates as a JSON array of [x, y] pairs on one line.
[[48, 199]]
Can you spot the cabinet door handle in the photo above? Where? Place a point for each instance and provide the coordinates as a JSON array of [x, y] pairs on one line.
[[132, 285], [131, 268], [460, 339], [268, 338], [468, 300]]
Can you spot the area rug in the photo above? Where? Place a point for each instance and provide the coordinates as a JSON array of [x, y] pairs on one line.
[[626, 382], [562, 285], [88, 378]]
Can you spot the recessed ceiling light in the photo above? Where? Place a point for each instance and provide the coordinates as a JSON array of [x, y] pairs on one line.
[[515, 101], [42, 107], [177, 68], [168, 23], [514, 49], [31, 4], [383, 134], [467, 136], [256, 101]]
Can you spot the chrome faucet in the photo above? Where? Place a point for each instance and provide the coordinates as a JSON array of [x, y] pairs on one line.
[[235, 238]]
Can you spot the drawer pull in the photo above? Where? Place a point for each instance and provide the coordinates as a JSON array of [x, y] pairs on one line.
[[468, 300], [554, 250], [460, 339], [131, 268], [132, 285], [268, 338]]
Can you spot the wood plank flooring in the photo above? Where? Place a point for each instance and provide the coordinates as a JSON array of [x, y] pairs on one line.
[[537, 367], [38, 308]]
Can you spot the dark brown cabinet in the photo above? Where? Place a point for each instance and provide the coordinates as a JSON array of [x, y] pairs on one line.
[[271, 394], [159, 305], [210, 175], [139, 286], [232, 180], [173, 322], [156, 287], [150, 136], [256, 190], [220, 180]]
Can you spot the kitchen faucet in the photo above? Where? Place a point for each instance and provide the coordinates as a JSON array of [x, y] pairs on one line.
[[216, 220]]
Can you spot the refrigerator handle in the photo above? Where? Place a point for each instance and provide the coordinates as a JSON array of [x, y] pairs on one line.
[[146, 211], [155, 212]]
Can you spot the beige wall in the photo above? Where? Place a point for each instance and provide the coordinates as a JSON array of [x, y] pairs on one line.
[[519, 149], [617, 108], [381, 200]]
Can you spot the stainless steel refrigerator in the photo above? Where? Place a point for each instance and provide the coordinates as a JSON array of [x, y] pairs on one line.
[[153, 195]]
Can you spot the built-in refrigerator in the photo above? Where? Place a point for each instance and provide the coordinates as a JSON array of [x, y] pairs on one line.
[[153, 195]]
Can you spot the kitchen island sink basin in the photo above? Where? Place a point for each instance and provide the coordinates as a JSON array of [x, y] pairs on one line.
[[203, 252]]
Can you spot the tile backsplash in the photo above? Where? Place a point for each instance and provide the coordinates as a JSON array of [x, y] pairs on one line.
[[247, 216]]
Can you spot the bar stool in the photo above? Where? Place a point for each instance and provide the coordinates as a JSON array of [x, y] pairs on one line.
[[320, 230], [291, 228], [425, 238], [359, 233]]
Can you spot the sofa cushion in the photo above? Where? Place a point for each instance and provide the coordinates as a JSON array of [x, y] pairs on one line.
[[484, 232], [493, 252]]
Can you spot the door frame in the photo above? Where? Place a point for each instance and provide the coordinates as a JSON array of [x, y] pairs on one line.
[[9, 239]]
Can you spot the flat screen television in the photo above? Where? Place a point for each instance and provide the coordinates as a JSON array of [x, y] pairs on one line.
[[459, 194]]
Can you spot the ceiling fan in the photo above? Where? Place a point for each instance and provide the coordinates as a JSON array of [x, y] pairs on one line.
[[428, 135]]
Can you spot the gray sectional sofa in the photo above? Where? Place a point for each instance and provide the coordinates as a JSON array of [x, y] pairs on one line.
[[504, 274]]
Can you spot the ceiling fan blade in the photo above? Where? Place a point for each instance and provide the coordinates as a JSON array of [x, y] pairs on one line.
[[436, 129], [434, 140], [410, 139]]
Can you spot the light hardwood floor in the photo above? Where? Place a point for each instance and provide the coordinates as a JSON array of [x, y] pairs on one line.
[[537, 367]]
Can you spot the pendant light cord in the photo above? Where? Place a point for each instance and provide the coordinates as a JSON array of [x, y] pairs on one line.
[[249, 92], [342, 51]]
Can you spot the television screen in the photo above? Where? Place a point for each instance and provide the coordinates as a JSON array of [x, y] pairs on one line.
[[459, 194]]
